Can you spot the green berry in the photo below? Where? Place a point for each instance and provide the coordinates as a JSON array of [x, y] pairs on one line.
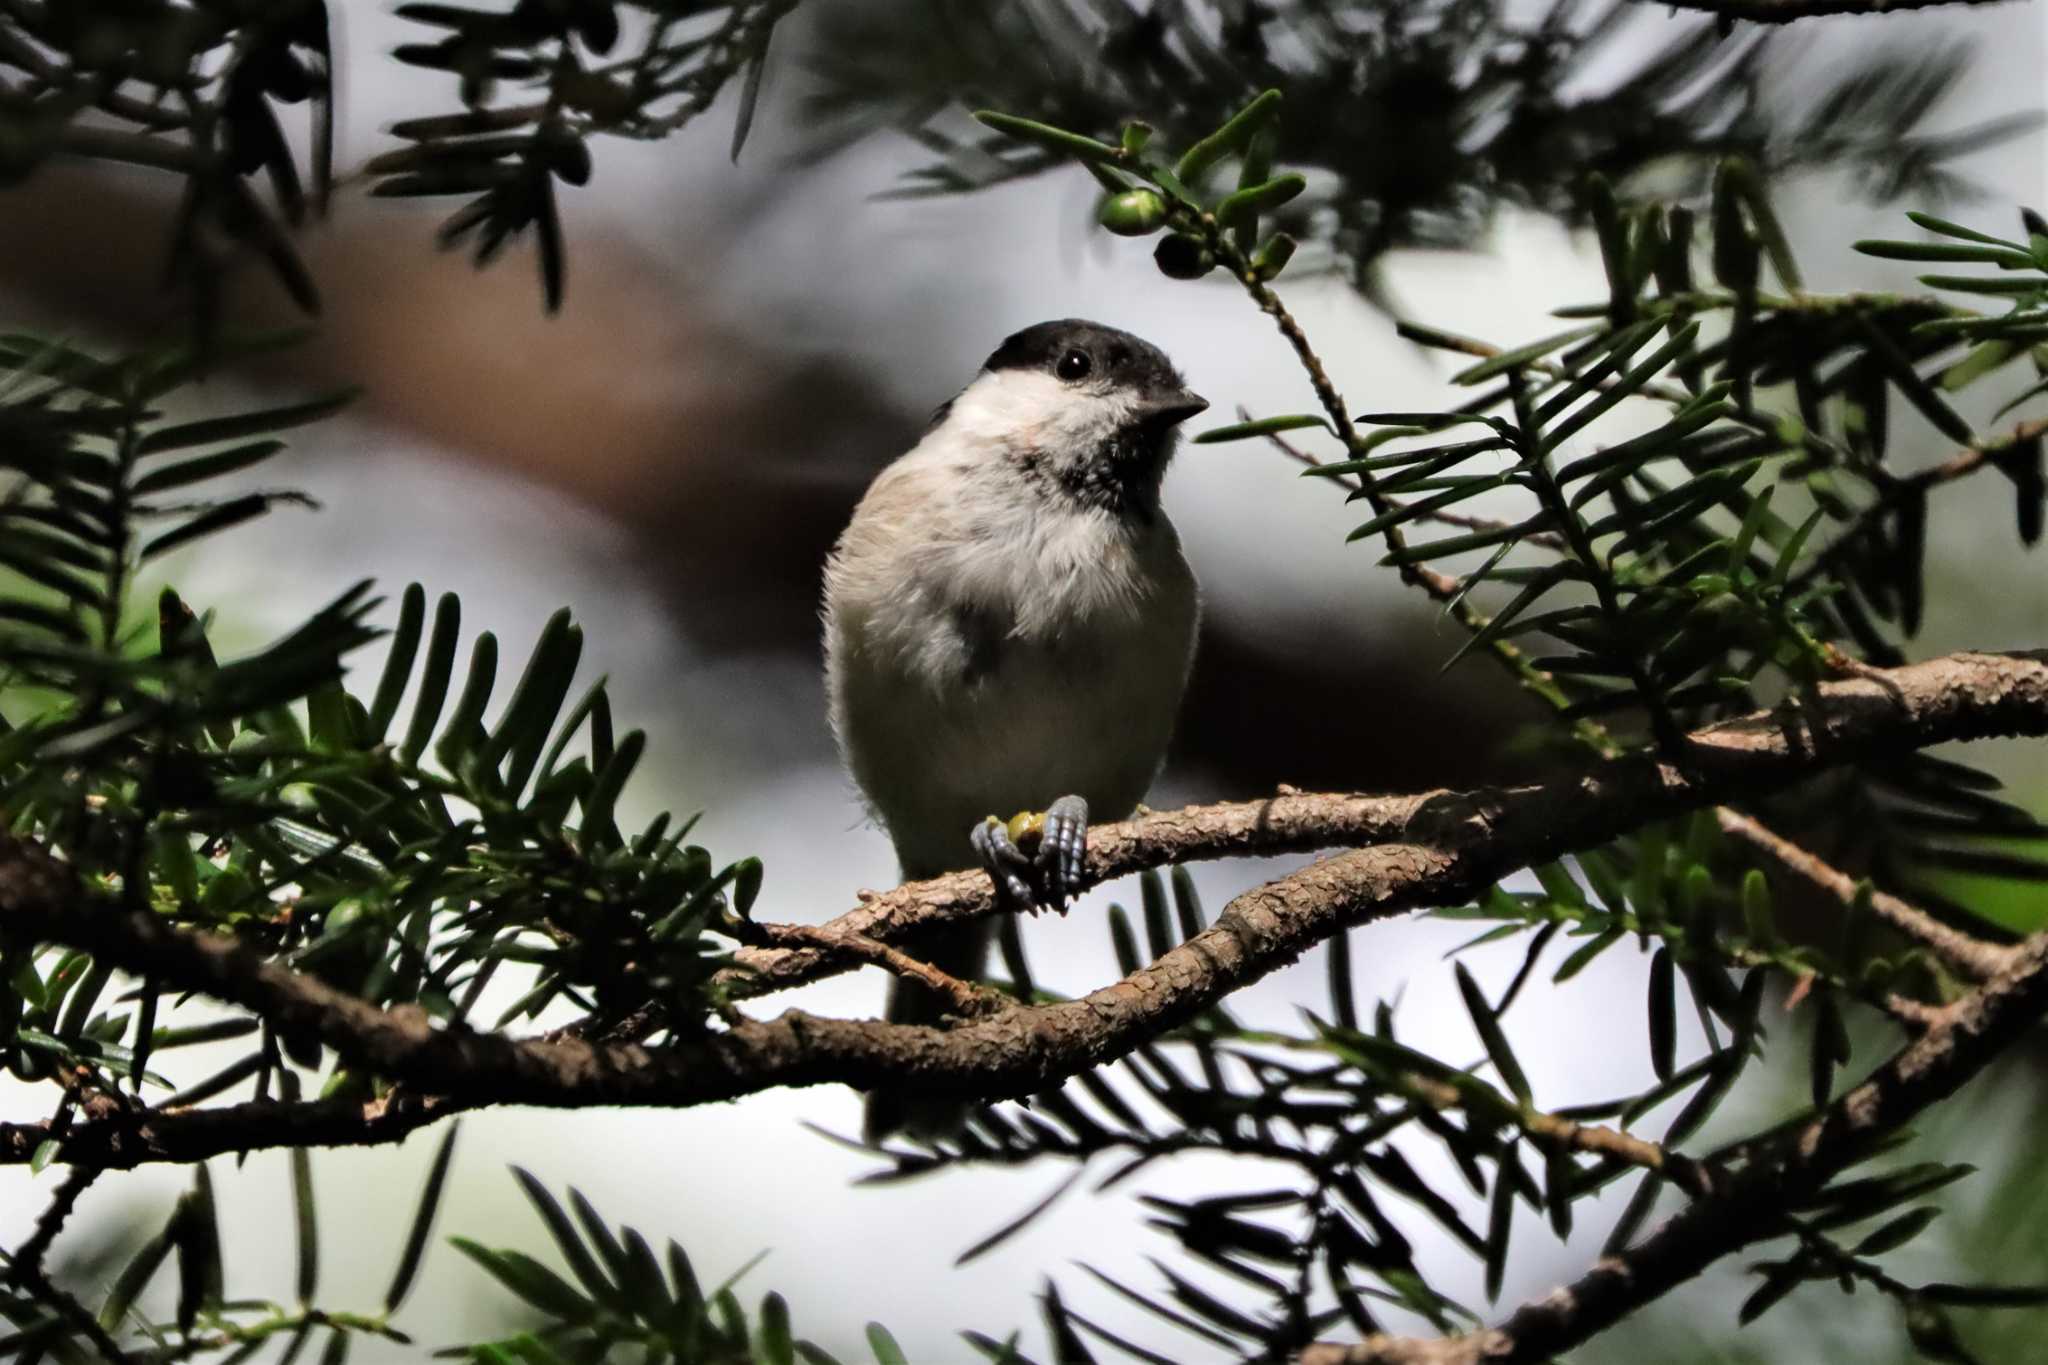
[[1134, 213]]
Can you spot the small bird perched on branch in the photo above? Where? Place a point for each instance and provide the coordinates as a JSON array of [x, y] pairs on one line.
[[1009, 623]]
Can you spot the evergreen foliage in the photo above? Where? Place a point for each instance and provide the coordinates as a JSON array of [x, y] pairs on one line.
[[406, 837]]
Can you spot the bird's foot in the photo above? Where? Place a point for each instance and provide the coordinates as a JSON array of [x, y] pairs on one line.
[[1037, 859], [1063, 850]]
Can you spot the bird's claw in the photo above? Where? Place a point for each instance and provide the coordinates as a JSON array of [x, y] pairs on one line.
[[1004, 862], [1051, 875], [1063, 850]]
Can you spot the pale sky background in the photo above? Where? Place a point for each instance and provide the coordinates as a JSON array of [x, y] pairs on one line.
[[832, 270]]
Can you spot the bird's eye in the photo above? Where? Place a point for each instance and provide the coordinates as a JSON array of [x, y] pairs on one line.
[[1074, 365]]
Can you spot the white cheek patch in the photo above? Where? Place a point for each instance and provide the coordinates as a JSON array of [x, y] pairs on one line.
[[1030, 410]]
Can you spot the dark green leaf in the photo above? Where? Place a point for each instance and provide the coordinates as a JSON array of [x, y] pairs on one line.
[[604, 791], [683, 1280], [774, 1346], [750, 95], [1758, 920], [1946, 251], [566, 1239], [1233, 136], [195, 1235], [887, 1352], [1187, 903], [2024, 466], [422, 1223], [1952, 229], [216, 429], [1122, 941], [1159, 935], [1743, 178], [1897, 1232], [1558, 1173], [1343, 999], [1264, 426], [1621, 388], [1633, 1214], [1830, 1047], [440, 667], [1584, 954], [1922, 395], [1788, 556], [1047, 136], [1405, 512], [207, 467], [1519, 356], [1021, 1221], [1244, 206], [233, 512], [1780, 1281], [405, 643], [529, 716], [465, 728], [305, 1218], [1499, 1224], [134, 1278], [1549, 578], [530, 1280], [1663, 1000], [592, 707], [1488, 1025]]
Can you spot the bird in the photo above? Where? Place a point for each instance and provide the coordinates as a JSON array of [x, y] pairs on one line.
[[1009, 623]]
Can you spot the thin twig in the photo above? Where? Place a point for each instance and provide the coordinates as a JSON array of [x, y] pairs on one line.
[[1591, 1138], [1959, 465], [1972, 955], [66, 1306], [28, 1257], [967, 998], [25, 1265], [1917, 1013]]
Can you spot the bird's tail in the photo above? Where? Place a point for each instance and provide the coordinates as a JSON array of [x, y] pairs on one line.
[[959, 950]]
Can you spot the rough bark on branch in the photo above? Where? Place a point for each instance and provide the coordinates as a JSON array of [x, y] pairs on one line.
[[1786, 11], [120, 1139], [1291, 822], [1439, 848]]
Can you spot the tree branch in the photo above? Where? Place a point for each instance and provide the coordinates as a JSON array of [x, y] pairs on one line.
[[1973, 955], [1960, 464], [1753, 1205], [123, 1139], [1448, 846], [28, 1257], [25, 1266], [1289, 822], [1786, 11]]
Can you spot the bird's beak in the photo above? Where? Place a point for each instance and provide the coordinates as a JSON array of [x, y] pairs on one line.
[[1170, 407]]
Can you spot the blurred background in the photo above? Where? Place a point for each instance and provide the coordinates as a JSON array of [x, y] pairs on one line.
[[741, 347]]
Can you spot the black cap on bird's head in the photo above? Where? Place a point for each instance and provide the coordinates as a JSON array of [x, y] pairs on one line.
[[1079, 410], [1104, 359]]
